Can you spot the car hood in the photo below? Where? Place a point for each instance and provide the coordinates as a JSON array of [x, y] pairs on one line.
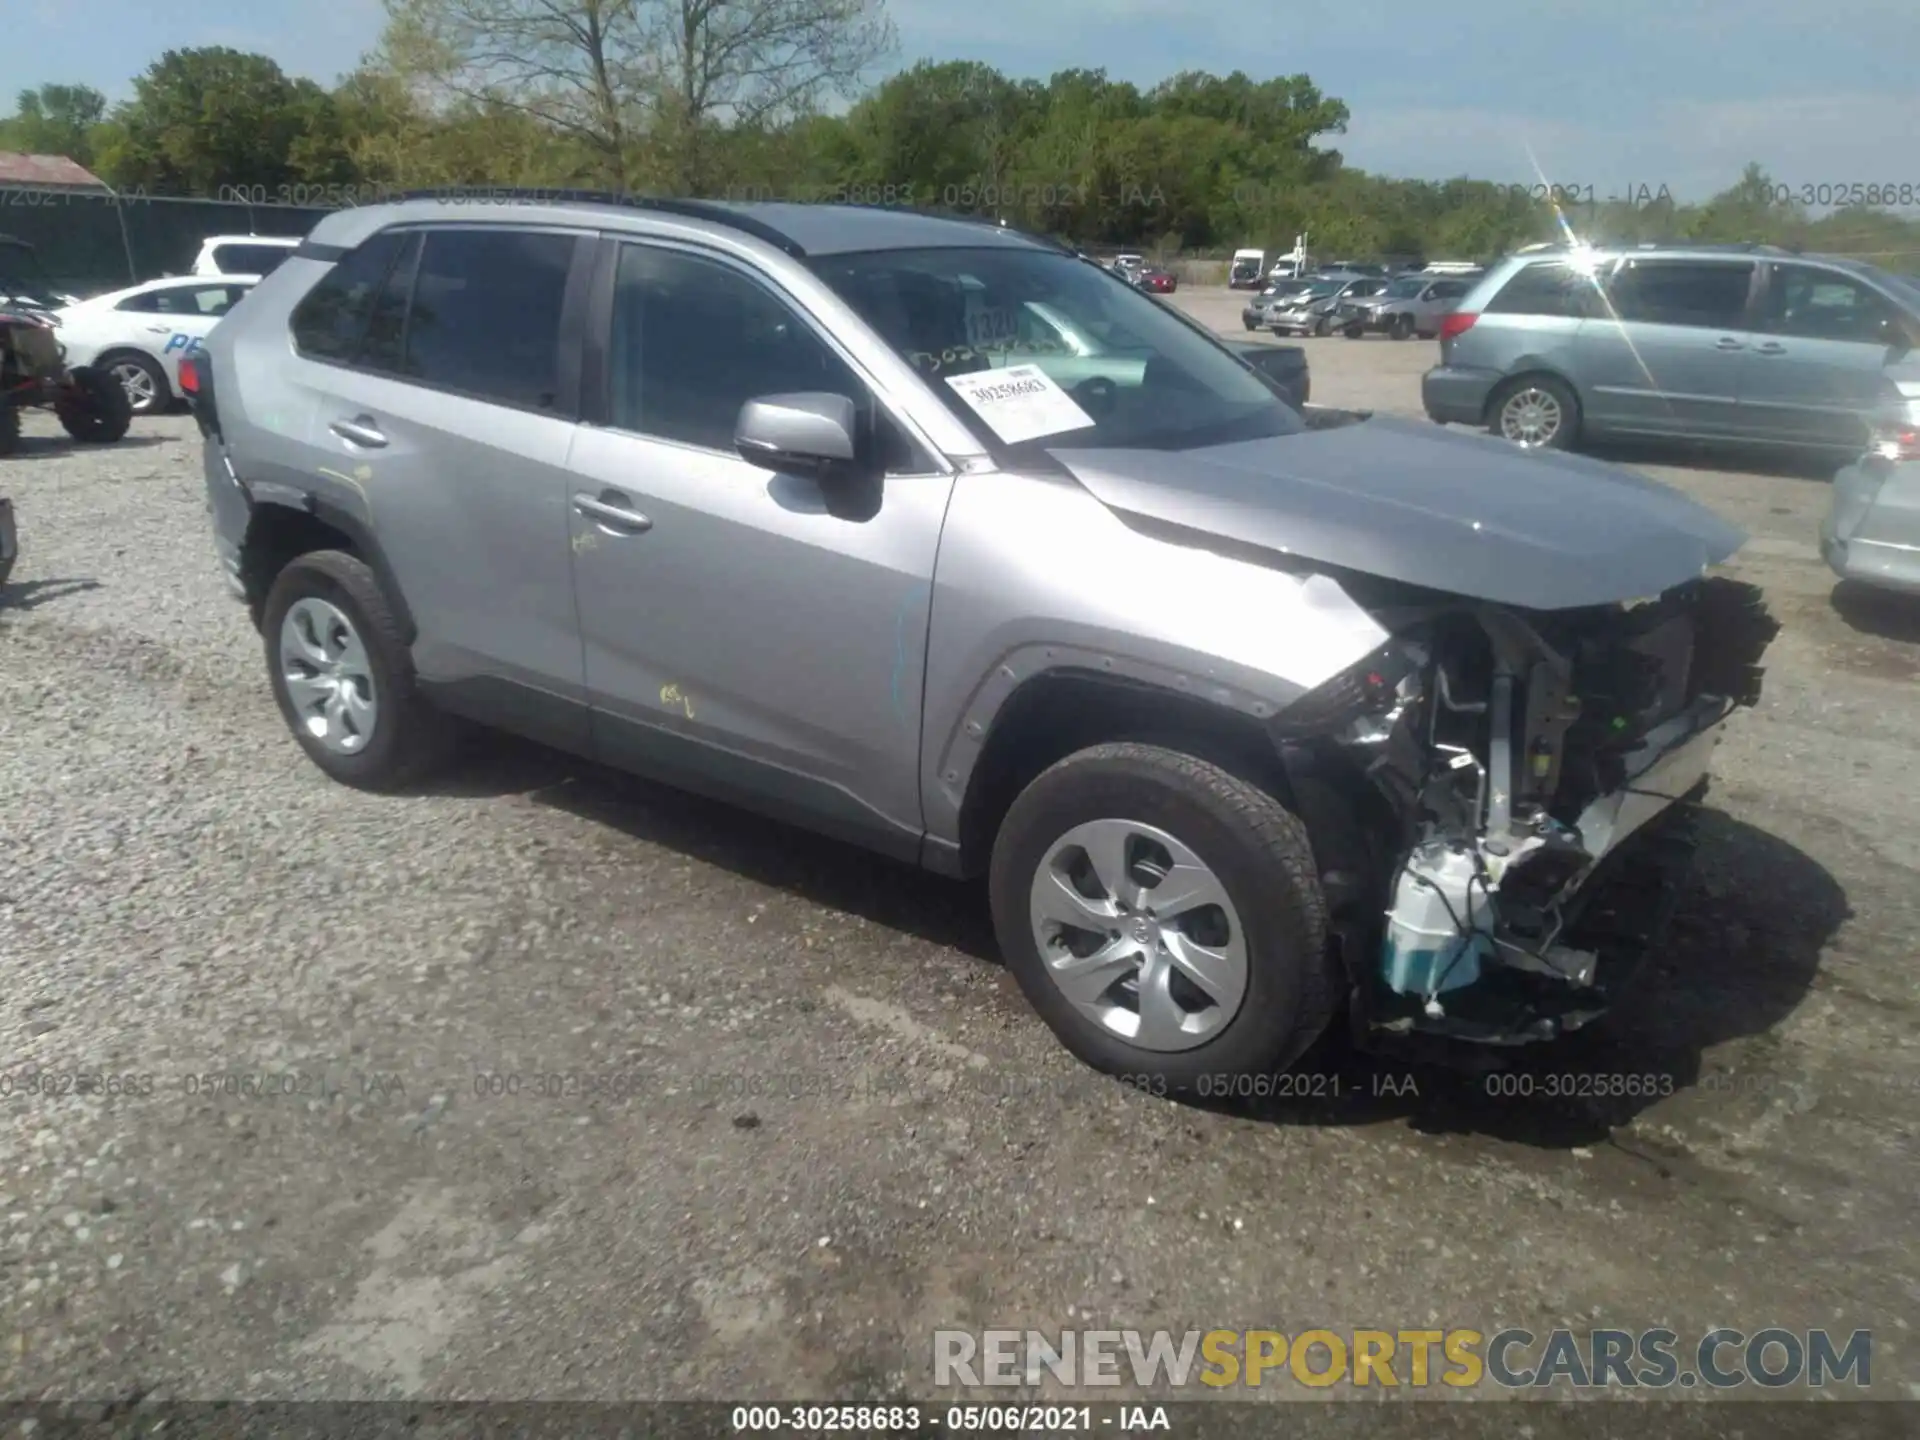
[[1408, 501]]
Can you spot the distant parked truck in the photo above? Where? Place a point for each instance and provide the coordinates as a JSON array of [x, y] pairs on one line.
[[1248, 270]]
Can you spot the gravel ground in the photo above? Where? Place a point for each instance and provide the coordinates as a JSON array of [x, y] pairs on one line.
[[836, 1127]]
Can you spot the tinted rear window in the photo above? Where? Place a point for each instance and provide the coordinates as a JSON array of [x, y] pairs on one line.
[[1709, 294], [249, 259], [485, 318]]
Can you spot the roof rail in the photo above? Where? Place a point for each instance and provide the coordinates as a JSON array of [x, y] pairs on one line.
[[716, 213]]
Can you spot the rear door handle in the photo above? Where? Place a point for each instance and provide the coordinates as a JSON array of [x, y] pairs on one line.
[[1770, 348], [1728, 342], [611, 512], [361, 430]]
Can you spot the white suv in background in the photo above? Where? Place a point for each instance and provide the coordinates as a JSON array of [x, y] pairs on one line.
[[242, 254]]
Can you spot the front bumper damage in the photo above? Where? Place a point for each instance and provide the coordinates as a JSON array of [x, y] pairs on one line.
[[1524, 782]]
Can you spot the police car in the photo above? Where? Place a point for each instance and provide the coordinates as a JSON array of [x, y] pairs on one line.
[[140, 334]]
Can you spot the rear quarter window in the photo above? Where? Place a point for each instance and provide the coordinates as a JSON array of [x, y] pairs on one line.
[[1549, 288]]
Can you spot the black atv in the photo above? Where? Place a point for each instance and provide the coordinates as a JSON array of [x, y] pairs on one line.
[[92, 405]]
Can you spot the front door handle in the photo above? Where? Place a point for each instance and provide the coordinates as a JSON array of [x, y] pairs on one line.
[[1728, 342], [1772, 347], [361, 430], [611, 513]]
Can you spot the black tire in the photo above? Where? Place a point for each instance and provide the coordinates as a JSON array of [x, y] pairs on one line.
[[410, 737], [1250, 324], [1322, 327], [1569, 430], [1257, 848], [9, 428], [1354, 332], [96, 410], [1402, 327], [163, 396]]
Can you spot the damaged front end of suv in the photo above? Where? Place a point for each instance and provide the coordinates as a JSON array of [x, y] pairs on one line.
[[1505, 795]]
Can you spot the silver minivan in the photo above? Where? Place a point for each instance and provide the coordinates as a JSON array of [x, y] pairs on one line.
[[1713, 343]]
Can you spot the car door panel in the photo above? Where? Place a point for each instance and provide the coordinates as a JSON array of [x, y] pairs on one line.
[[1641, 372], [1815, 376], [756, 639], [751, 621], [463, 477]]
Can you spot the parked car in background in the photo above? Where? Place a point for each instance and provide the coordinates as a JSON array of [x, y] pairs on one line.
[[1312, 311], [139, 335], [1284, 366], [1253, 315], [1405, 307], [1247, 270], [1160, 282], [1129, 266], [1871, 533], [254, 255], [1699, 342]]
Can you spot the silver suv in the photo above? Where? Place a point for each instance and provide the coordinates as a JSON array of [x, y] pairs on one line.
[[1406, 306], [1713, 343], [924, 534]]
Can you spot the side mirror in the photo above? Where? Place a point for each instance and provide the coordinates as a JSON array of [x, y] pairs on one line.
[[810, 433]]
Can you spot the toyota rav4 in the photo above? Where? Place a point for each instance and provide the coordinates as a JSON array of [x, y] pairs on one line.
[[1248, 721]]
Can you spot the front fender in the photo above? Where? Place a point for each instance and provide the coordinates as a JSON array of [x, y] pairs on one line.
[[1036, 576]]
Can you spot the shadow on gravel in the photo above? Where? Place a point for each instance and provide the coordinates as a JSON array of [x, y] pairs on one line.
[[1735, 459], [1883, 614], [32, 594], [821, 870], [53, 447], [1740, 955]]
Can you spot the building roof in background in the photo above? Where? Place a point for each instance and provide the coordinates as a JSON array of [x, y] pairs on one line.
[[47, 170]]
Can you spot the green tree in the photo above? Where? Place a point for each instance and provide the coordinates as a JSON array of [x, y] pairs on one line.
[[201, 120], [55, 120]]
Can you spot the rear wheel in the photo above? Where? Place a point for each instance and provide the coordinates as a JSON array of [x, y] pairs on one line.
[[9, 428], [1354, 332], [94, 407], [344, 677], [142, 378], [1163, 916], [1536, 413]]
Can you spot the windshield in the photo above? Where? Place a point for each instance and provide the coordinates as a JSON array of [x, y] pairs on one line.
[[1097, 362], [22, 279]]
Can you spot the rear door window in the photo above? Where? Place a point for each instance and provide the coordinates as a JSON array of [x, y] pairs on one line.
[[485, 317], [1704, 294]]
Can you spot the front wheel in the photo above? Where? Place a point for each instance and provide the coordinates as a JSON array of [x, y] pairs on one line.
[[93, 407], [1402, 328], [1163, 916], [1322, 327], [1354, 332]]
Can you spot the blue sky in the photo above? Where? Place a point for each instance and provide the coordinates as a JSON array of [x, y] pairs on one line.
[[1628, 93]]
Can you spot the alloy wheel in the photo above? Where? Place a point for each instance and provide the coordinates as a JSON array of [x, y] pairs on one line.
[[328, 675], [137, 381], [1139, 934], [1531, 418]]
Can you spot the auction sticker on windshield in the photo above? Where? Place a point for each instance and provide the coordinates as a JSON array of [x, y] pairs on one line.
[[1020, 402]]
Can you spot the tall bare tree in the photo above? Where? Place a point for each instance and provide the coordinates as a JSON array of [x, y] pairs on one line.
[[617, 73]]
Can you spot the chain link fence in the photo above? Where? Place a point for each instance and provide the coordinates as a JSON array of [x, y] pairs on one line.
[[89, 243]]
